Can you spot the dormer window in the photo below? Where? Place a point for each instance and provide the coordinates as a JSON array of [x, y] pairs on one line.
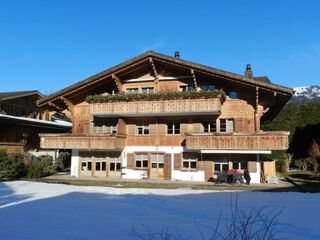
[[207, 87], [186, 88], [147, 90], [132, 90], [233, 94]]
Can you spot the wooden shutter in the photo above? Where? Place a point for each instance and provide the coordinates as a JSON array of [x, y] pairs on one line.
[[130, 160], [238, 125], [177, 161], [167, 166], [252, 166]]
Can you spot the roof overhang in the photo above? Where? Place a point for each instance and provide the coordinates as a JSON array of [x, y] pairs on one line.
[[90, 82], [234, 151]]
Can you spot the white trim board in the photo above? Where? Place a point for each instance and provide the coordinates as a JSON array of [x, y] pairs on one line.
[[237, 151]]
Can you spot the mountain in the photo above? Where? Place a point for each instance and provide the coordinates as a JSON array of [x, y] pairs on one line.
[[304, 95]]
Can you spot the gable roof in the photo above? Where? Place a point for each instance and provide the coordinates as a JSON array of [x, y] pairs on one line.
[[12, 95], [262, 82]]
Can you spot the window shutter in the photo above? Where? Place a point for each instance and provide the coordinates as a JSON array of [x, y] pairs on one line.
[[130, 160], [252, 166], [229, 125], [167, 166], [177, 161], [239, 125]]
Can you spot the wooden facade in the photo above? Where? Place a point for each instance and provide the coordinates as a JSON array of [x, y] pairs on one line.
[[21, 120], [165, 139]]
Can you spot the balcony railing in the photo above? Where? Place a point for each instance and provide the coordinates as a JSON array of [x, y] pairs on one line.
[[68, 141], [240, 141], [162, 107]]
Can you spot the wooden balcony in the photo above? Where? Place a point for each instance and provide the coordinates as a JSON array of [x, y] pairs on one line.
[[164, 107], [68, 141], [239, 141]]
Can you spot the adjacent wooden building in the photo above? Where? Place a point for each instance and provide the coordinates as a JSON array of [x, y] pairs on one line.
[[21, 121], [161, 117]]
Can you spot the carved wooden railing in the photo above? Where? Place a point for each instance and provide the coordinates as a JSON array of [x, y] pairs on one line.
[[163, 106], [68, 141], [241, 141]]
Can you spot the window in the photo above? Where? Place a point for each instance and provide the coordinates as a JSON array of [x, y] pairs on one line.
[[147, 90], [221, 166], [209, 126], [115, 164], [186, 88], [86, 163], [132, 90], [100, 164], [22, 137], [143, 129], [141, 160], [173, 128], [97, 127], [226, 125], [241, 165], [157, 161], [189, 162], [100, 127], [207, 87], [233, 94], [111, 128]]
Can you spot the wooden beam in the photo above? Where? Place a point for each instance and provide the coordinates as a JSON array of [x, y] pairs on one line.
[[154, 69], [69, 103], [55, 106], [256, 112], [118, 82], [193, 74], [155, 74]]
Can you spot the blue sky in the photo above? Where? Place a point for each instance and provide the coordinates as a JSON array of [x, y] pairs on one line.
[[49, 45]]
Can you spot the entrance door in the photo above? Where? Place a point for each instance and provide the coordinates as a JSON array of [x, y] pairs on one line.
[[86, 167], [157, 166], [114, 166]]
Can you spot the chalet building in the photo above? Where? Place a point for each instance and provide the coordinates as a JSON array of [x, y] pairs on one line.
[[161, 117], [21, 121]]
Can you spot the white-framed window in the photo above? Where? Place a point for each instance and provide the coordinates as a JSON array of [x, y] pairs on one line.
[[132, 90], [226, 125], [86, 163], [147, 90], [111, 128], [173, 128], [189, 162], [141, 160], [100, 127], [115, 164], [157, 161], [220, 166], [143, 129], [209, 126], [100, 164], [240, 165], [97, 127]]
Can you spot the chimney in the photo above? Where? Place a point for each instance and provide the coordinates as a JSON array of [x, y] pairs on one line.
[[177, 54], [248, 72]]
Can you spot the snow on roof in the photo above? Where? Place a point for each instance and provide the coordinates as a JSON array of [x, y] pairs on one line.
[[59, 123]]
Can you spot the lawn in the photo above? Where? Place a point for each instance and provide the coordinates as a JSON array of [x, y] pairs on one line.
[[30, 210]]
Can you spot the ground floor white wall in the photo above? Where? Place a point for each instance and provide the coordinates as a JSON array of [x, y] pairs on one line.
[[127, 173]]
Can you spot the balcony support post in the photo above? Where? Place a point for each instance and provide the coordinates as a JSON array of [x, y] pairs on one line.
[[155, 74], [118, 82]]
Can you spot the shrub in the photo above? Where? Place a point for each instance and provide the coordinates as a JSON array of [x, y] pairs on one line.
[[11, 167], [154, 96], [63, 161], [41, 167]]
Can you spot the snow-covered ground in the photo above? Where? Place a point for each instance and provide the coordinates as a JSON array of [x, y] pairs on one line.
[[34, 211]]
